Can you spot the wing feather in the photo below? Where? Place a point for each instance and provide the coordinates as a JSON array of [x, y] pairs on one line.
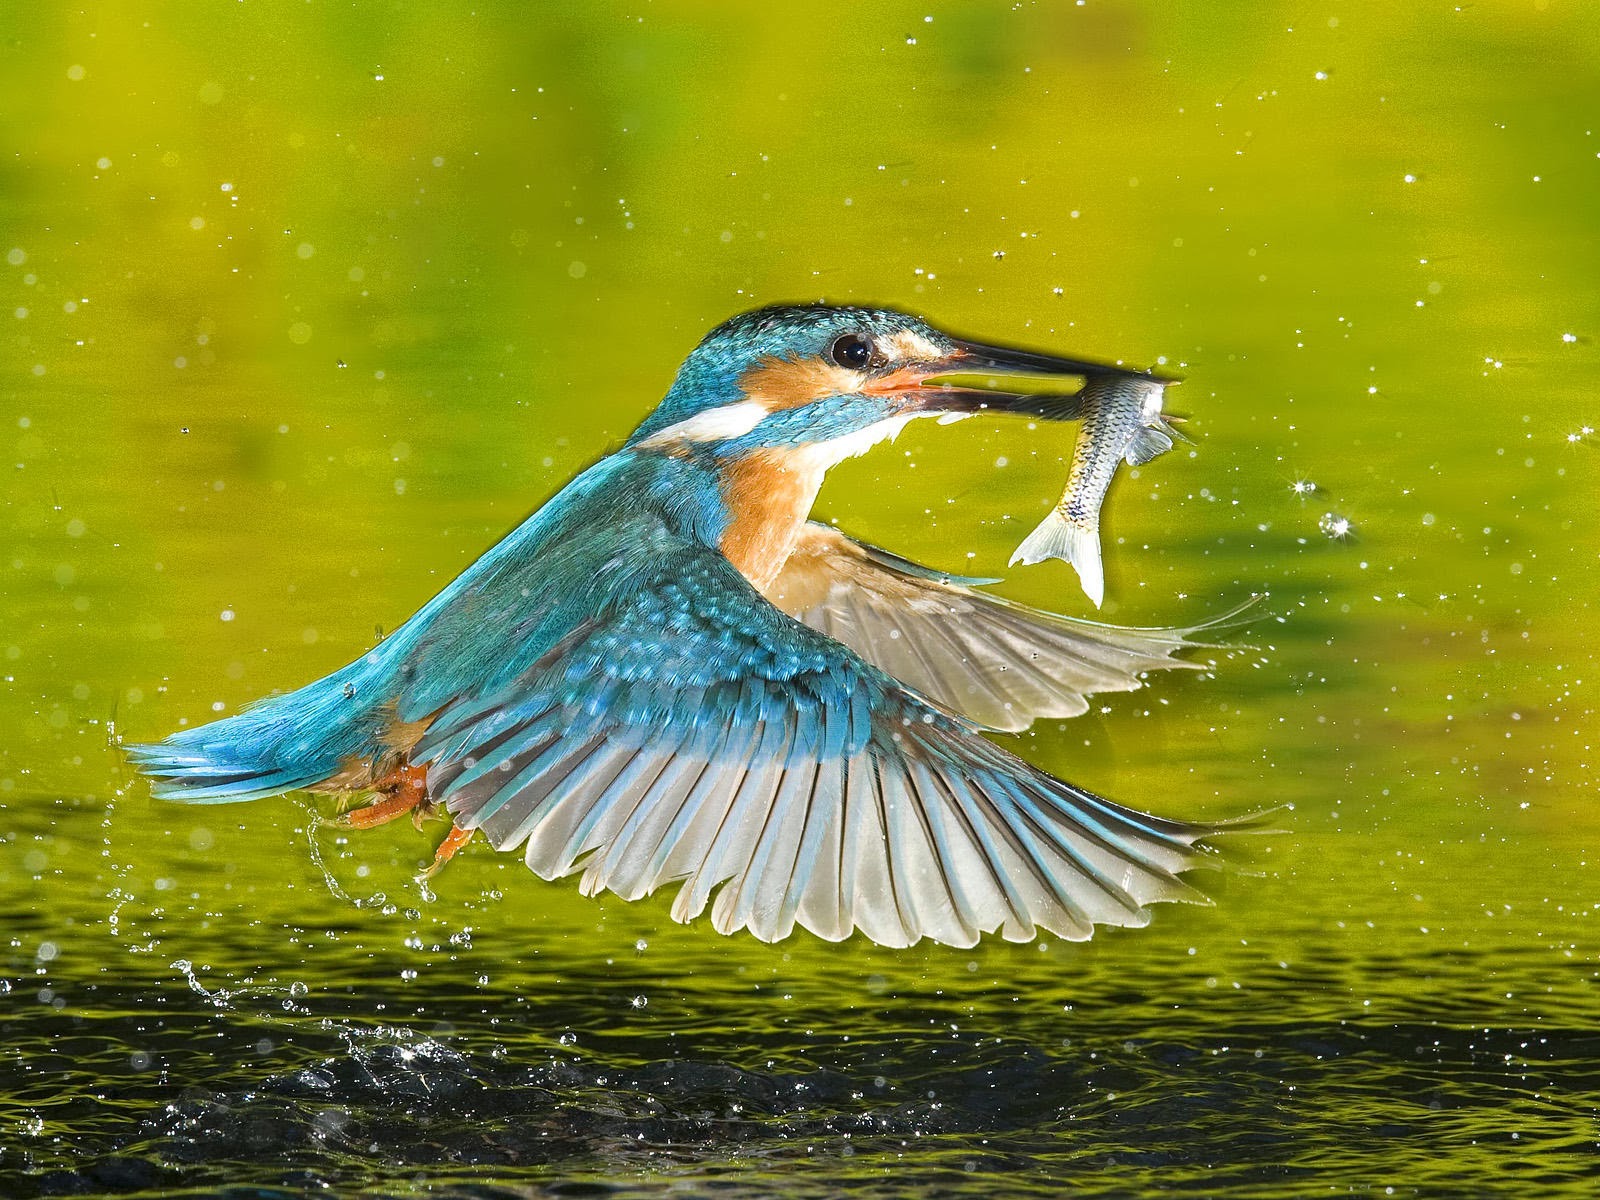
[[997, 864], [1000, 664], [866, 887], [698, 736], [619, 867]]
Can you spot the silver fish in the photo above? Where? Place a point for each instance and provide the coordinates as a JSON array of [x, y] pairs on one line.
[[1122, 421]]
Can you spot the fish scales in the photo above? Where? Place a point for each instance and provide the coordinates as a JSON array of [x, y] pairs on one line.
[[1122, 422]]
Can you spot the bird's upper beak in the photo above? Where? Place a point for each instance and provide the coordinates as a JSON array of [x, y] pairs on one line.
[[972, 378]]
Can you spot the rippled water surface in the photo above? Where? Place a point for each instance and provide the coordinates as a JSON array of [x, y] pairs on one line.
[[304, 306]]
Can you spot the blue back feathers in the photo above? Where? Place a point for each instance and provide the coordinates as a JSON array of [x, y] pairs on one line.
[[579, 555]]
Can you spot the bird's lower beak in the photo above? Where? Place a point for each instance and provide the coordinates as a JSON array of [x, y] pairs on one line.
[[973, 378]]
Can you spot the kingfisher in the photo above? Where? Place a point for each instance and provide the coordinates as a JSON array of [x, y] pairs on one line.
[[669, 674]]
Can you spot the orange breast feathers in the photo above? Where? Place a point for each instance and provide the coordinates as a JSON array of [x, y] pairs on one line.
[[768, 494]]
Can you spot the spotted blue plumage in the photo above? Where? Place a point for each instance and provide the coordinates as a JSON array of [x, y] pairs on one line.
[[605, 691]]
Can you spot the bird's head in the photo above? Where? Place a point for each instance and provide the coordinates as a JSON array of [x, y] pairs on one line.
[[828, 382]]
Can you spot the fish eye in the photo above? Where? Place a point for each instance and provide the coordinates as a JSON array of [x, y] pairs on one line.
[[851, 350]]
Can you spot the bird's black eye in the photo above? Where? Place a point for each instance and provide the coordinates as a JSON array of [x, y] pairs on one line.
[[851, 350]]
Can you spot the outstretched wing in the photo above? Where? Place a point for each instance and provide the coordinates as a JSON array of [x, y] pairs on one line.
[[1000, 664], [694, 733]]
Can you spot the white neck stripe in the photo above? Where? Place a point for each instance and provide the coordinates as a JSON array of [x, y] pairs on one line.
[[712, 425]]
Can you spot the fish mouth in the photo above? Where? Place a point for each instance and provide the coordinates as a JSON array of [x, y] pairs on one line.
[[972, 377]]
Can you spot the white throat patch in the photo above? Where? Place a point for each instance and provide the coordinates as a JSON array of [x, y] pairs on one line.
[[822, 455]]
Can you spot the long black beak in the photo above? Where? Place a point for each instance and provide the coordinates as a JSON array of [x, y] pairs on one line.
[[977, 357], [970, 360]]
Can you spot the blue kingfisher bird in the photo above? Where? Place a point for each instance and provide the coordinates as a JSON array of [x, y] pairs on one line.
[[669, 674]]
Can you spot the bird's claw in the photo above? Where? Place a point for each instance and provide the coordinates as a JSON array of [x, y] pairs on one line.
[[405, 791], [453, 841]]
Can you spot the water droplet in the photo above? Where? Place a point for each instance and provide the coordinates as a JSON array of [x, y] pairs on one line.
[[1335, 526]]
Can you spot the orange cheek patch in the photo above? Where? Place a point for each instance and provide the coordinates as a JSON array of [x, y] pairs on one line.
[[783, 383]]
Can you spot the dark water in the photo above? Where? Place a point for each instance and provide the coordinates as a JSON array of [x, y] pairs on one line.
[[567, 1057], [573, 1089], [309, 305]]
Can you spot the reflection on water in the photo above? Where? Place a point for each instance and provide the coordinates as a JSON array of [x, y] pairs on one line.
[[296, 330]]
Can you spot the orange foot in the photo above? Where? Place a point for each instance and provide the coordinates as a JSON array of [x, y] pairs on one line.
[[403, 791], [453, 841], [406, 791]]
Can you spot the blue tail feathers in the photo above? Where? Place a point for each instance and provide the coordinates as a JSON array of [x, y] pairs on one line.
[[279, 744]]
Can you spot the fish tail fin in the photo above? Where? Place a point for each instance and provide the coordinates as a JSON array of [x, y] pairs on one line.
[[1057, 537]]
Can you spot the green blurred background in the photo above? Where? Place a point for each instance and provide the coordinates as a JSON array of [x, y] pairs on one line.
[[306, 304]]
